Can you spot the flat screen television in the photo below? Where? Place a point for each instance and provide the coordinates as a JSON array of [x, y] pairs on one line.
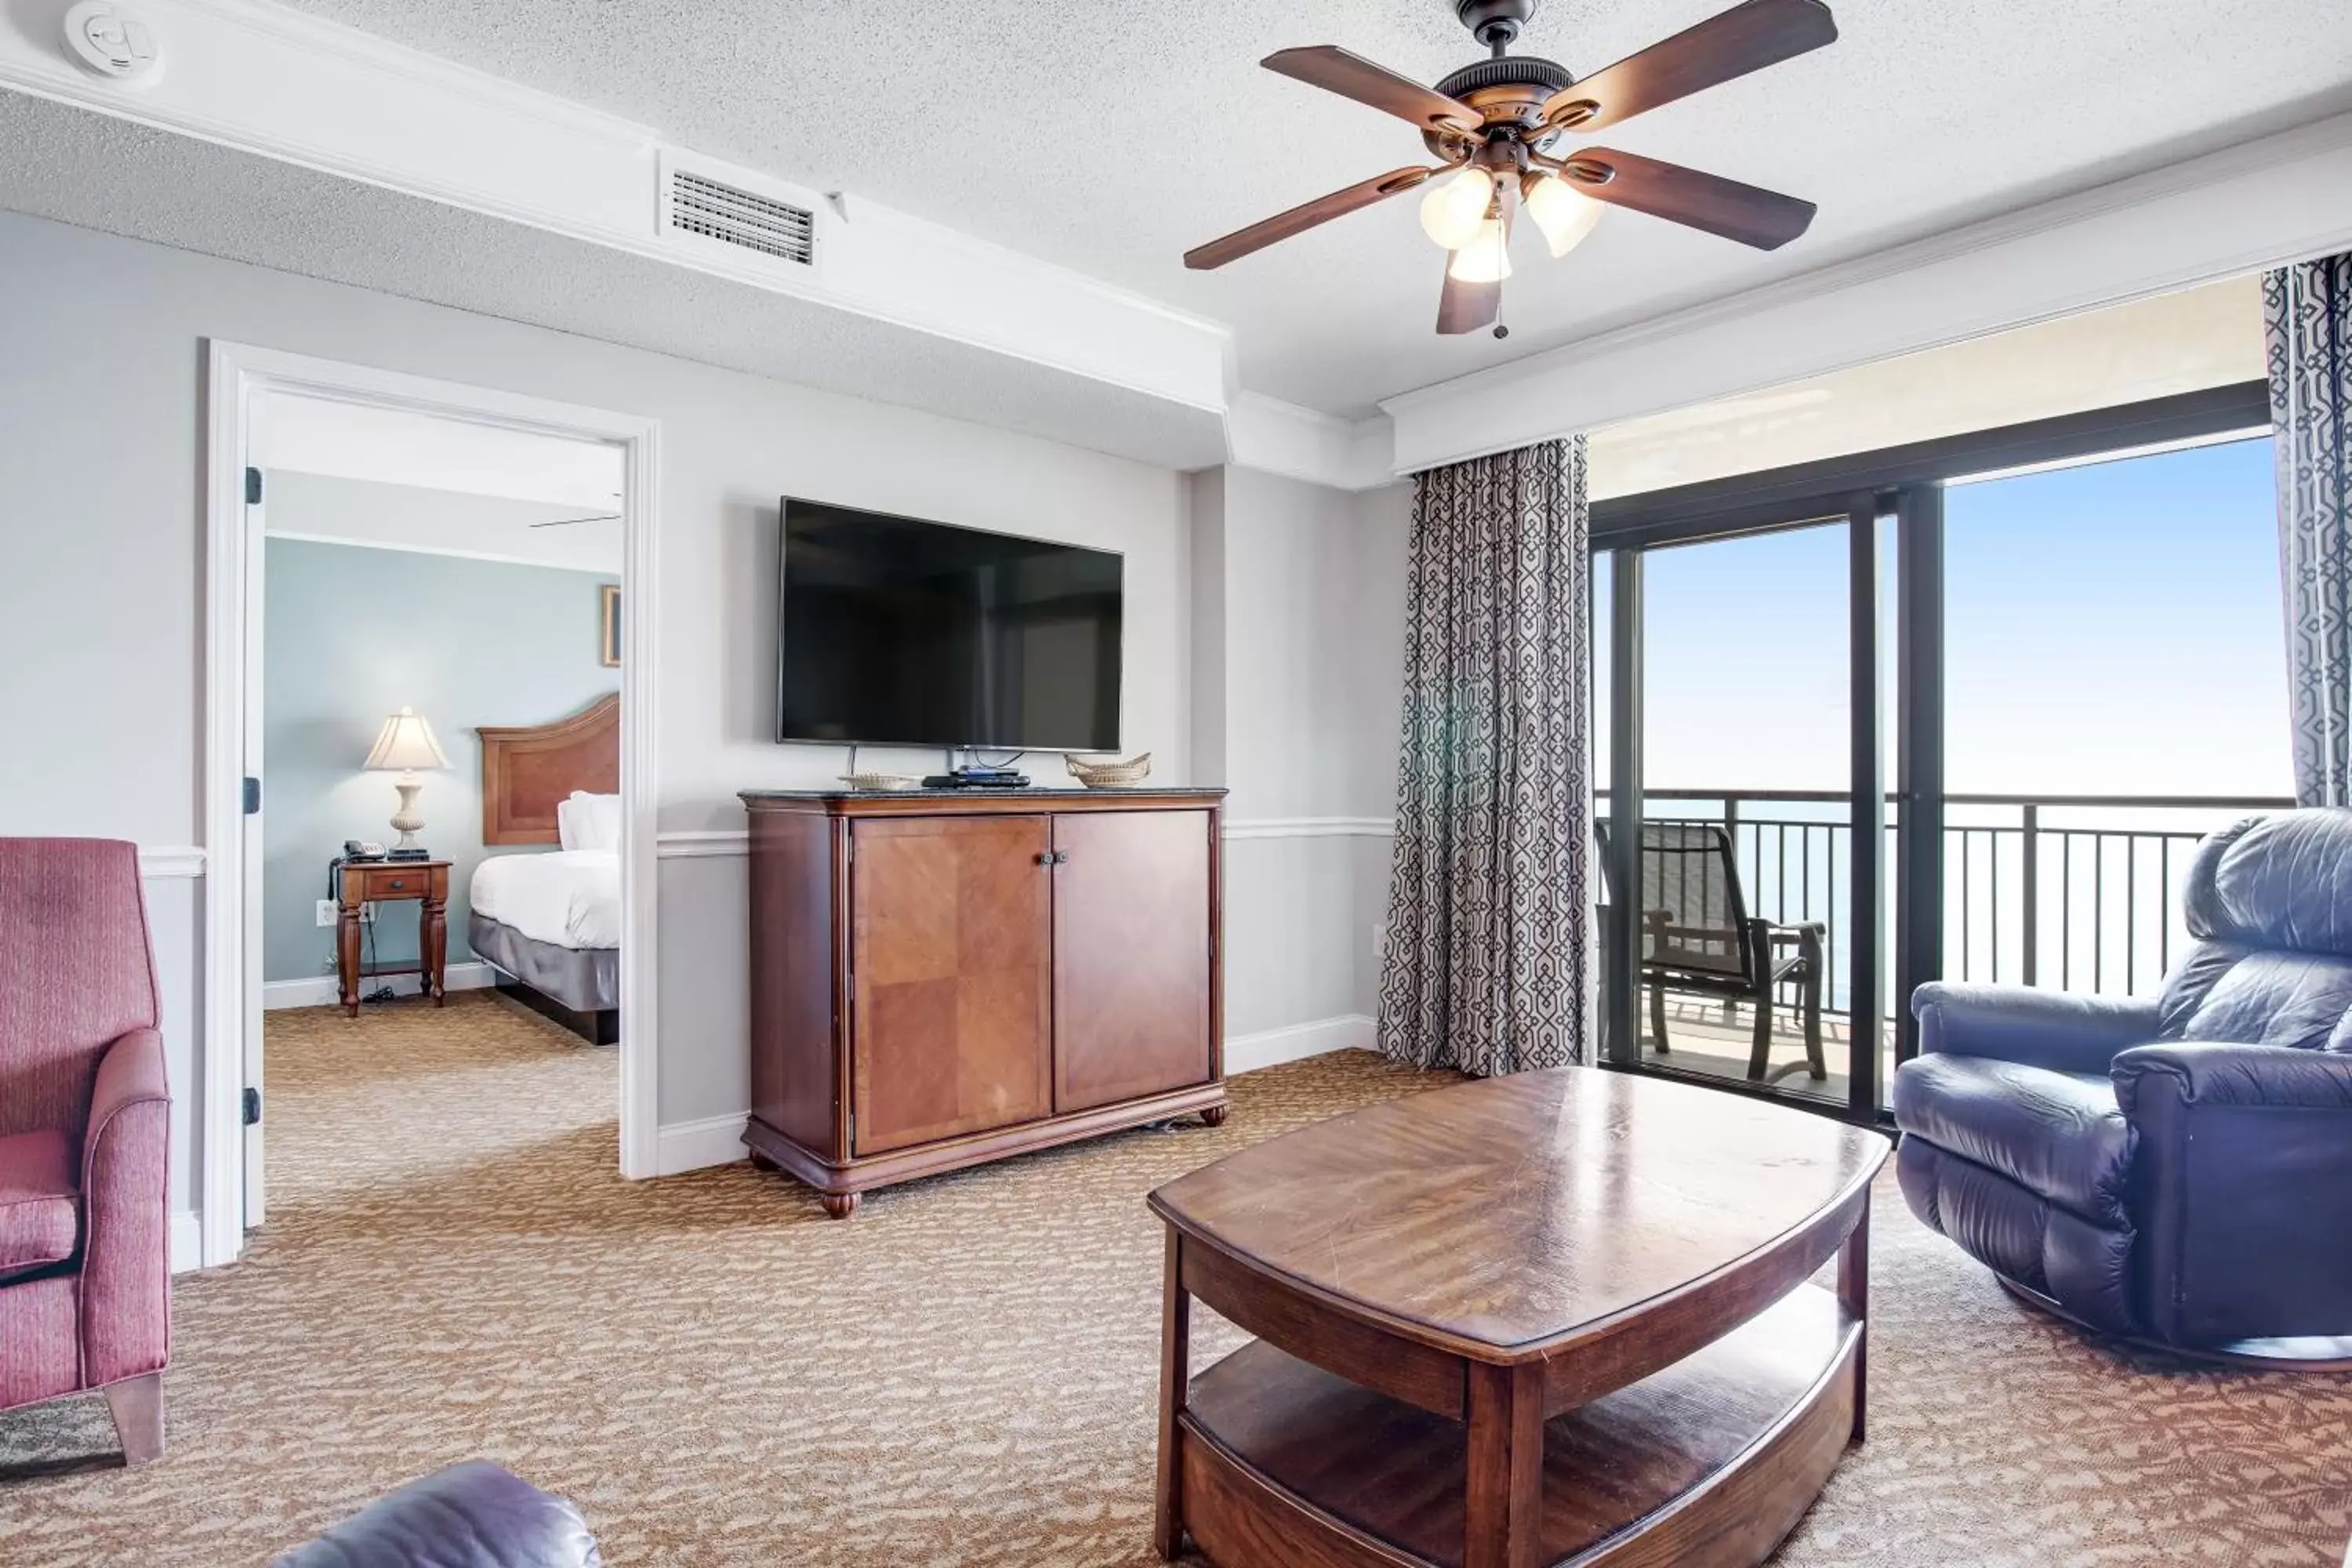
[[895, 631]]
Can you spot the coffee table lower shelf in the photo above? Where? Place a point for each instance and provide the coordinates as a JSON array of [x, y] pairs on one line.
[[1706, 1464]]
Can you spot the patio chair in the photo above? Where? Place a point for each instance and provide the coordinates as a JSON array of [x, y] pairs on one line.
[[1697, 936]]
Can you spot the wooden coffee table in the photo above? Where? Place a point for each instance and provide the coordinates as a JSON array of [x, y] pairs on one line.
[[1560, 1317]]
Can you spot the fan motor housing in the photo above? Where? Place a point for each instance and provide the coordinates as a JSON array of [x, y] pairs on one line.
[[1508, 90]]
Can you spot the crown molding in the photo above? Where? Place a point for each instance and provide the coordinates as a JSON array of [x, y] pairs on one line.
[[1278, 437], [2257, 204], [269, 81]]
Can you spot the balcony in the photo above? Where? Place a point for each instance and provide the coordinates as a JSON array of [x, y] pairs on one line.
[[2070, 892]]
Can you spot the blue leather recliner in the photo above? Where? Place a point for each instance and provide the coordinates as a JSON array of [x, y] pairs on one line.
[[2177, 1169]]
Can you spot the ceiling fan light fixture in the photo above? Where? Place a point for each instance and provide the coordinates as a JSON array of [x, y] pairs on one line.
[[1453, 210], [1487, 258], [1563, 213]]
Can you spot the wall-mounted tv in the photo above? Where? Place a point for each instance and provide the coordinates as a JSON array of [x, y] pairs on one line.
[[896, 631]]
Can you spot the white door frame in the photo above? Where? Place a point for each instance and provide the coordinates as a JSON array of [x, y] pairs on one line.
[[235, 376]]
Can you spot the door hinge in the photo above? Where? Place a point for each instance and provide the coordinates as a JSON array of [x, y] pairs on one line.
[[253, 487], [252, 796], [853, 1130], [253, 1107]]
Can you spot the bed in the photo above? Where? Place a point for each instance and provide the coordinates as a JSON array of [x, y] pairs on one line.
[[551, 923]]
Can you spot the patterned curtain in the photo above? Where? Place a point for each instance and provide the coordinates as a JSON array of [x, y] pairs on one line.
[[1489, 950], [2307, 311]]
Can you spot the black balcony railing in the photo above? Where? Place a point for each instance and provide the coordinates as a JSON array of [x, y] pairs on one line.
[[2074, 892]]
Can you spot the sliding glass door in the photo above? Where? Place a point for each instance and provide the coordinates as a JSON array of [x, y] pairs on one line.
[[1814, 807], [1750, 663]]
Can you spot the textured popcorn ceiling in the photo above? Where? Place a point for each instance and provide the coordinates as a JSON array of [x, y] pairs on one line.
[[1112, 136], [199, 196]]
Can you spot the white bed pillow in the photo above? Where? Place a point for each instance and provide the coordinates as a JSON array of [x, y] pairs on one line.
[[589, 821]]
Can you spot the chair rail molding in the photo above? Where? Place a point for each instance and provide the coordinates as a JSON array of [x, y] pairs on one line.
[[173, 861], [1311, 828], [2261, 202]]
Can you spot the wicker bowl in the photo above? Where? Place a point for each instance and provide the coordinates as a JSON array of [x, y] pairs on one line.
[[882, 781], [1107, 774]]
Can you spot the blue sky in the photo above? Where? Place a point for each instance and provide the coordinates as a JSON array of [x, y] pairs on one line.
[[2111, 628]]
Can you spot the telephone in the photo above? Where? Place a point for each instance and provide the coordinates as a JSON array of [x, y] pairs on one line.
[[362, 849]]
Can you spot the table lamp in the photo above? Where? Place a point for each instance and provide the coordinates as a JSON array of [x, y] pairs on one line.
[[406, 745]]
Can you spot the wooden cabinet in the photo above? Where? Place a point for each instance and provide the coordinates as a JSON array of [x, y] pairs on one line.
[[942, 978], [952, 980]]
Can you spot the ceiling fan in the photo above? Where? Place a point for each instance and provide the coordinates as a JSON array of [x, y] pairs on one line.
[[1495, 123]]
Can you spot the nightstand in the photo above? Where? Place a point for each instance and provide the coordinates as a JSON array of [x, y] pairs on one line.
[[425, 882]]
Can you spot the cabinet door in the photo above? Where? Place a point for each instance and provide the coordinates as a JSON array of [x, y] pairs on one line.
[[951, 1025], [1130, 954]]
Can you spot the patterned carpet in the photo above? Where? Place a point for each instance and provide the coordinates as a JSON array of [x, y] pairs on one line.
[[964, 1372]]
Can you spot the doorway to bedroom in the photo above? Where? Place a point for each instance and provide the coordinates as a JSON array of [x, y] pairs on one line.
[[429, 925]]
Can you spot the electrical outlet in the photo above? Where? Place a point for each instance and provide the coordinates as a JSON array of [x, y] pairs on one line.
[[327, 913]]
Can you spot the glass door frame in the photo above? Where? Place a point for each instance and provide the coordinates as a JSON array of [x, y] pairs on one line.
[[1864, 490]]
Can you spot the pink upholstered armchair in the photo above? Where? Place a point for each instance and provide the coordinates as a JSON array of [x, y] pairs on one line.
[[85, 1132]]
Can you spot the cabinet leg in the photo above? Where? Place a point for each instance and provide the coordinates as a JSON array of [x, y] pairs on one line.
[[760, 1162], [433, 943], [1215, 1115], [838, 1205], [347, 958]]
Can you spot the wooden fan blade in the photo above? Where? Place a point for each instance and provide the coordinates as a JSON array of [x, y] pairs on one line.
[[1335, 71], [1322, 209], [1745, 38], [1467, 307], [1765, 219]]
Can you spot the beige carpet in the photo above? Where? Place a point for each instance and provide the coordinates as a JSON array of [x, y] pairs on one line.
[[962, 1375]]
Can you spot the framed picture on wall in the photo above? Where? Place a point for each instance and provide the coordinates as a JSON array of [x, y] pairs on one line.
[[609, 643]]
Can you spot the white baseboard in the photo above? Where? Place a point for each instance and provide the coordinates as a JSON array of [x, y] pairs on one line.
[[187, 1246], [319, 991], [719, 1140], [1267, 1047], [692, 1145]]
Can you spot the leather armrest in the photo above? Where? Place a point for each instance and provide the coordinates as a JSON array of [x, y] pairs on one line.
[[126, 1309], [2205, 1072], [2054, 1030], [2242, 1188]]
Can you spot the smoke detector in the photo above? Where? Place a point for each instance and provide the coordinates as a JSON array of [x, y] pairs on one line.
[[111, 41]]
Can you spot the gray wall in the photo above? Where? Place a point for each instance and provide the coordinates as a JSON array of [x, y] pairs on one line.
[[1298, 647], [353, 633], [100, 608]]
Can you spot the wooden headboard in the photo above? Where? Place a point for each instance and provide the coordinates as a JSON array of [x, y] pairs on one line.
[[527, 768]]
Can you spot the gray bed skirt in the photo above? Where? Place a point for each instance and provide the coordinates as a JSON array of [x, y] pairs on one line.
[[585, 979]]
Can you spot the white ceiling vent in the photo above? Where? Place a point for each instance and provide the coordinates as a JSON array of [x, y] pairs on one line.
[[716, 207]]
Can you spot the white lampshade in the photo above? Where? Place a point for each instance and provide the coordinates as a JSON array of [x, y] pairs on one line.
[[1565, 213], [1452, 209], [1487, 258], [407, 744]]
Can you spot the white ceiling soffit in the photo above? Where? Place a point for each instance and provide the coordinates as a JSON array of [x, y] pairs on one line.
[[2186, 341], [321, 99], [323, 509], [316, 436], [2256, 205], [1113, 137]]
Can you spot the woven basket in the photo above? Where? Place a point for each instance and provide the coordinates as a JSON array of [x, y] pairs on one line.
[[882, 781], [1109, 775]]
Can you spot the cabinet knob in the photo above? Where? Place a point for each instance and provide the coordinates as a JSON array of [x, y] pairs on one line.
[[1045, 857]]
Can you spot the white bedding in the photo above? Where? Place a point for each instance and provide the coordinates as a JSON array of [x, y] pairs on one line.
[[571, 898]]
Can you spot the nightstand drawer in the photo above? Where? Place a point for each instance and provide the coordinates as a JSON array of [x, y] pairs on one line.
[[395, 882]]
